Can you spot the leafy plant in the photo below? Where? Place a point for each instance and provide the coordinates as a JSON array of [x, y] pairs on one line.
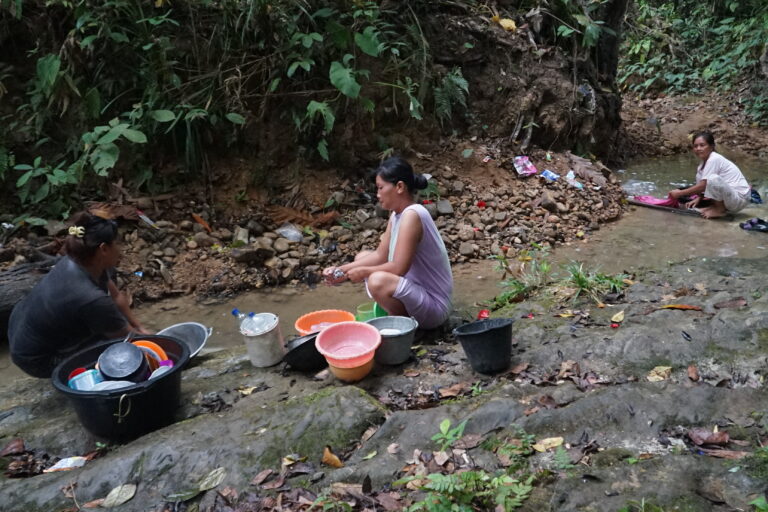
[[685, 46], [641, 506], [447, 435], [590, 283], [470, 491], [561, 460], [451, 92]]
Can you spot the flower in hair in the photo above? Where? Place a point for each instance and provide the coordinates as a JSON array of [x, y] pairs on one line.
[[78, 231]]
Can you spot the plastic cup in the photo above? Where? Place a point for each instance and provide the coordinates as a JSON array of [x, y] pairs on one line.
[[365, 312]]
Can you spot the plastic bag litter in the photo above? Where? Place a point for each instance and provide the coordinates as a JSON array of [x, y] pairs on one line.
[[290, 232]]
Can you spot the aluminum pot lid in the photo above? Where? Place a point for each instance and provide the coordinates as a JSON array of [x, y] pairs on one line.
[[262, 323], [120, 360]]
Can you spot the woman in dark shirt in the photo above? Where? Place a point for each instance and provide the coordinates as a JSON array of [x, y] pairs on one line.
[[74, 305]]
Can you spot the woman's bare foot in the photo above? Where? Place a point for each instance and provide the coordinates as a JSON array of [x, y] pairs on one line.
[[713, 212]]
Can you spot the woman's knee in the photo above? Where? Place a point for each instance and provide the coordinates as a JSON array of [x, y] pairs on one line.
[[362, 254], [383, 283]]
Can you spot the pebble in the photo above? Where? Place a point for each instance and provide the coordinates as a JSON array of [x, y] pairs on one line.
[[281, 245]]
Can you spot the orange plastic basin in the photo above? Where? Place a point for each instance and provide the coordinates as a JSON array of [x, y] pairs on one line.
[[352, 374], [348, 344], [154, 347], [319, 320]]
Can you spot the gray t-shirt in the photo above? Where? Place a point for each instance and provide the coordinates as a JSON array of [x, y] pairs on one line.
[[65, 311]]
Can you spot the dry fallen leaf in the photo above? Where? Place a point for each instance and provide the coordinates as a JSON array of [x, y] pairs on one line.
[[393, 448], [330, 459], [468, 442], [659, 373], [411, 373], [370, 455], [725, 454], [94, 503], [505, 23], [212, 479], [738, 302], [261, 477], [245, 391], [618, 317], [520, 368], [548, 444], [441, 458], [119, 495], [369, 433], [14, 447], [454, 390], [274, 484], [693, 373], [684, 307], [700, 436]]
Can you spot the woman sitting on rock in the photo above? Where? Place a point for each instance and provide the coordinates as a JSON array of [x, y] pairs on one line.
[[409, 273], [76, 304], [717, 179]]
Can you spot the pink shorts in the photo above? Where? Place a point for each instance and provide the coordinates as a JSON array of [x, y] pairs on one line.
[[419, 304]]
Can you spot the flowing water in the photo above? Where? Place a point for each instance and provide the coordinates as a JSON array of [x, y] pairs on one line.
[[642, 238]]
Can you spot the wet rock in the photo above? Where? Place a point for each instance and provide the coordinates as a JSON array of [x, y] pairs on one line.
[[458, 187], [168, 251], [255, 228], [251, 254], [264, 241], [144, 203], [548, 202], [444, 207], [203, 239], [192, 245], [562, 208], [375, 223], [466, 233], [186, 225], [500, 216], [467, 249], [361, 216], [241, 234], [432, 209], [273, 262]]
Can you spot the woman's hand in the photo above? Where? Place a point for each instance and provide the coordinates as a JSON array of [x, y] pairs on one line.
[[358, 274], [334, 275], [693, 204], [676, 194]]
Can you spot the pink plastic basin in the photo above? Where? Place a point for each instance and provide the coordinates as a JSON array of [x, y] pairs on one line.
[[348, 344]]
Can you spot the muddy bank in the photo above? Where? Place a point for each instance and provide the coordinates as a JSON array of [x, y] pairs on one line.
[[625, 437]]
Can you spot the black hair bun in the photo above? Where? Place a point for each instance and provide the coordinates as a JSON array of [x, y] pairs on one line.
[[420, 182]]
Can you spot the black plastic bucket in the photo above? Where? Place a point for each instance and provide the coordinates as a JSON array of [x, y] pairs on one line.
[[125, 413], [487, 343]]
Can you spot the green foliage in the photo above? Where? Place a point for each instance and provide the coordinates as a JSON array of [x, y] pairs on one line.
[[641, 506], [470, 491], [688, 45], [447, 435], [561, 460], [760, 504], [452, 91], [757, 463], [593, 284], [181, 77], [530, 272]]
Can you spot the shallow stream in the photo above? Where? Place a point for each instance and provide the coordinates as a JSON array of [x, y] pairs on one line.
[[643, 237]]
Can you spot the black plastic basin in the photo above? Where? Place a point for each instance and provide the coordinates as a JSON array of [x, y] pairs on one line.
[[126, 413]]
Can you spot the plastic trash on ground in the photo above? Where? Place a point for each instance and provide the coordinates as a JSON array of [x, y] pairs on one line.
[[524, 167], [572, 181], [549, 175], [290, 232]]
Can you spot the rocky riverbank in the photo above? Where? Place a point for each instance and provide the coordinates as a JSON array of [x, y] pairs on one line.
[[480, 204], [666, 406]]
